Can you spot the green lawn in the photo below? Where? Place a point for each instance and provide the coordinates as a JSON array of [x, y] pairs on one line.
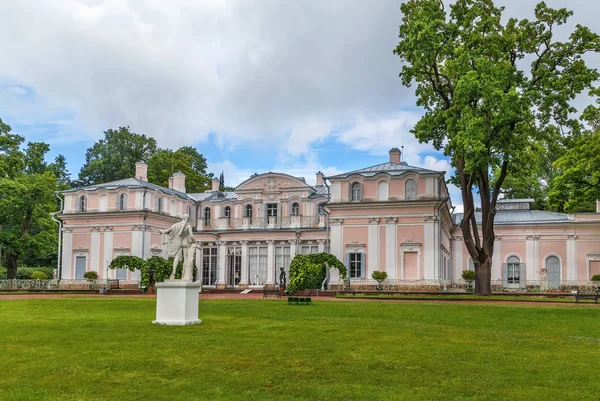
[[564, 298], [106, 348]]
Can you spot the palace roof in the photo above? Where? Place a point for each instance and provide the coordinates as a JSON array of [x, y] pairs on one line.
[[389, 168]]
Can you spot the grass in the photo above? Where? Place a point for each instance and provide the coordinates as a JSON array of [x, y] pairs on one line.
[[106, 349], [562, 298]]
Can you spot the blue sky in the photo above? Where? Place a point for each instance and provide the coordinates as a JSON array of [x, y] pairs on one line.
[[257, 86]]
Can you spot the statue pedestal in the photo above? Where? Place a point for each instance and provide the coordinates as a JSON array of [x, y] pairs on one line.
[[177, 303]]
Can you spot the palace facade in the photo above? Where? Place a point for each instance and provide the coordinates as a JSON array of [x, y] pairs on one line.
[[390, 217]]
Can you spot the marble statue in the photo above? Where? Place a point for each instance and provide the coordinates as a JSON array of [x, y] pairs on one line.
[[188, 266], [179, 239]]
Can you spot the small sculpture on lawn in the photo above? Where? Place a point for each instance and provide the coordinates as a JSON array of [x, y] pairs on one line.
[[179, 239], [282, 276]]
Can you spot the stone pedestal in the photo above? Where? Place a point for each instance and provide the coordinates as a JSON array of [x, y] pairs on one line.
[[177, 303]]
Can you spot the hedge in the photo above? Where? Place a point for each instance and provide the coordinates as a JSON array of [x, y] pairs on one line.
[[308, 271]]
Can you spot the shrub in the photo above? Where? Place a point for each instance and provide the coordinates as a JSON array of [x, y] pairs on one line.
[[308, 271], [596, 277], [38, 275], [379, 276], [468, 275], [90, 276]]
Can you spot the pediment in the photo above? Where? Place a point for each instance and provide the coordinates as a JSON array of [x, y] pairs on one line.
[[271, 182]]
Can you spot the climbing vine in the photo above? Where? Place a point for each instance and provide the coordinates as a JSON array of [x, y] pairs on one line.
[[308, 271], [132, 263]]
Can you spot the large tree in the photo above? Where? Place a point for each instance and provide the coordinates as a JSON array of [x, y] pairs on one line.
[[27, 184], [490, 90], [186, 160], [113, 157]]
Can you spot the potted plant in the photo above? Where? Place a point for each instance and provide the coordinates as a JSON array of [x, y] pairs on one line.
[[380, 277], [91, 277], [469, 277]]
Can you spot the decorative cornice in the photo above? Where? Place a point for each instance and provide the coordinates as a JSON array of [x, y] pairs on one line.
[[67, 229], [108, 228], [391, 220], [431, 218], [571, 236], [373, 220], [335, 221], [95, 228]]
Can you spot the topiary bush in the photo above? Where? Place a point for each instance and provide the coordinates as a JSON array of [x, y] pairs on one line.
[[38, 275], [596, 277], [308, 271], [378, 275], [468, 275], [90, 276]]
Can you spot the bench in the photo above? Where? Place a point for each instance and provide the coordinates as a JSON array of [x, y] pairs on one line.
[[593, 295], [299, 300], [270, 291]]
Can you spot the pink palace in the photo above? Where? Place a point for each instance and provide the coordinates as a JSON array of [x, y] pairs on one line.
[[389, 217]]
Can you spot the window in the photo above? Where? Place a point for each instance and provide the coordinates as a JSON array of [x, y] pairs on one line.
[[271, 209], [356, 265], [471, 264], [207, 216], [248, 211], [122, 202], [410, 189], [227, 212], [121, 274], [209, 266], [103, 203], [282, 259], [82, 204], [383, 191], [553, 271], [355, 191], [513, 276], [321, 208], [258, 265], [157, 204], [80, 267], [309, 249], [295, 209]]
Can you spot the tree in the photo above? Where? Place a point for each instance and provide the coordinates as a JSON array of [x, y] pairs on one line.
[[481, 105], [186, 160], [577, 184], [114, 157], [27, 185]]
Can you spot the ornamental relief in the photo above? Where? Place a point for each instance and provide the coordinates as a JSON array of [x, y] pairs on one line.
[[271, 184]]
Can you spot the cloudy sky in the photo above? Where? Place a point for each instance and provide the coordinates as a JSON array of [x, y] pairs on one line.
[[255, 85]]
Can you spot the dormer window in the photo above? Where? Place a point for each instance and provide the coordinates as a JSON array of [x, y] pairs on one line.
[[355, 191], [207, 216], [295, 209], [82, 204], [227, 212], [410, 189], [248, 211], [122, 202]]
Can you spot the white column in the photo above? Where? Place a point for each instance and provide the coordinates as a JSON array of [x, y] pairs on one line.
[[337, 246], [108, 252], [530, 258], [457, 257], [270, 262], [497, 260], [245, 266], [136, 243], [67, 255], [321, 243], [390, 248], [571, 257], [222, 263], [292, 250], [372, 246], [430, 252], [95, 251]]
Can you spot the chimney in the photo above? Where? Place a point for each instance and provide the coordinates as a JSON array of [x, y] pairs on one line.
[[395, 155], [320, 178], [178, 182], [215, 184], [141, 171], [170, 182]]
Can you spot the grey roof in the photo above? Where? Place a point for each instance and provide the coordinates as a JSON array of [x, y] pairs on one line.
[[389, 168], [213, 196], [320, 191], [515, 201], [131, 183], [520, 217]]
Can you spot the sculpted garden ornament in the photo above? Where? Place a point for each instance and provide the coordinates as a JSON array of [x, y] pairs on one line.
[[181, 246]]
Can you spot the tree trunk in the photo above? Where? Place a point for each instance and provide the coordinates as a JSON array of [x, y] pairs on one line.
[[11, 270], [483, 277]]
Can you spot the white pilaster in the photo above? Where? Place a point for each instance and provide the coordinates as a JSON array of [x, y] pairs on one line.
[[530, 257], [222, 263], [67, 255], [457, 257], [270, 262], [390, 248], [497, 260], [430, 251], [572, 257], [245, 265], [372, 246], [321, 243], [337, 246], [108, 252]]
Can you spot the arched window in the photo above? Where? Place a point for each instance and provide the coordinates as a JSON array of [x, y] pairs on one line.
[[227, 212], [103, 206], [82, 204], [355, 191], [207, 216], [248, 211], [383, 191], [513, 275], [553, 271], [410, 189], [157, 204], [321, 208], [295, 209], [122, 202]]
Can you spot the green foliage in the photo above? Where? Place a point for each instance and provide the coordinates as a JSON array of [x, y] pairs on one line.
[[481, 107], [157, 269], [308, 271], [379, 275], [468, 275], [185, 160], [38, 275], [90, 276], [114, 157], [132, 263], [596, 277], [577, 184]]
